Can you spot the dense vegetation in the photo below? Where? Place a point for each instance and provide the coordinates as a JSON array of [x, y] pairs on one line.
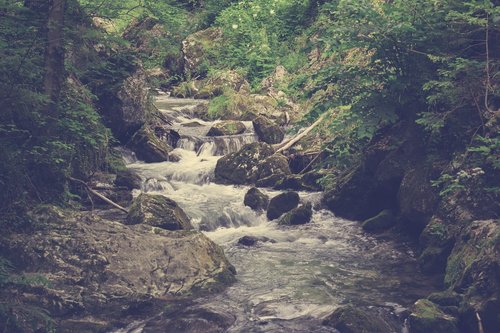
[[367, 64]]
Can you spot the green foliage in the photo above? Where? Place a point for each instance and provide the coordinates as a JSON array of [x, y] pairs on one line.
[[218, 107]]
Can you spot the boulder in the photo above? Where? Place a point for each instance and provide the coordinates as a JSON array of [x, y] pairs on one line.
[[125, 105], [436, 242], [256, 200], [473, 270], [382, 221], [276, 164], [99, 271], [305, 182], [417, 198], [148, 147], [242, 167], [281, 204], [426, 317], [158, 211], [128, 179], [227, 127], [267, 130], [297, 216], [351, 319]]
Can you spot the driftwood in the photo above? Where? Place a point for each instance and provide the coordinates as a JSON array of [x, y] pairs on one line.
[[97, 194], [286, 145], [311, 163], [479, 323]]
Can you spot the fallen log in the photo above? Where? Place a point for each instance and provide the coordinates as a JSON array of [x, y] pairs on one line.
[[286, 145], [97, 194]]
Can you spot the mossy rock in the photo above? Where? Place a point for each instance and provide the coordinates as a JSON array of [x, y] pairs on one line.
[[267, 130], [158, 211], [426, 317], [297, 216], [281, 204], [256, 200], [128, 179], [227, 127], [446, 298], [242, 167], [381, 222], [350, 319], [148, 147]]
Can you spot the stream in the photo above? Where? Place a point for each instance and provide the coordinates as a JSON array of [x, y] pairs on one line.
[[303, 273]]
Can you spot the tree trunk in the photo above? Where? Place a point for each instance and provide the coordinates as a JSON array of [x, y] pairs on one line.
[[54, 54]]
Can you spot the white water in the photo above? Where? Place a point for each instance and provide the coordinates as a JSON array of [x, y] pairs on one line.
[[290, 283]]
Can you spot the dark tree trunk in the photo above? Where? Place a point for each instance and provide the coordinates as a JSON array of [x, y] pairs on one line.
[[54, 53]]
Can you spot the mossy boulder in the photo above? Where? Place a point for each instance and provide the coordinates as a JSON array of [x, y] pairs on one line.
[[350, 319], [148, 147], [297, 216], [158, 211], [436, 242], [227, 127], [242, 167], [281, 204], [446, 298], [267, 130], [272, 170], [380, 222], [427, 317], [128, 179], [473, 270], [256, 200]]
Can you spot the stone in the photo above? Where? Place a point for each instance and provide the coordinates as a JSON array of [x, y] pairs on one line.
[[350, 319], [195, 49], [274, 165], [297, 216], [128, 179], [96, 267], [426, 317], [252, 240], [148, 147], [381, 222], [242, 167], [281, 204], [445, 298], [256, 200], [436, 243], [158, 211], [417, 198], [268, 131], [473, 270], [227, 127]]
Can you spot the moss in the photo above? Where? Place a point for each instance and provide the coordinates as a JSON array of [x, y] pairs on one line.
[[427, 317]]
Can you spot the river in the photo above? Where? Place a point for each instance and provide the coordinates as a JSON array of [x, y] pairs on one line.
[[302, 273]]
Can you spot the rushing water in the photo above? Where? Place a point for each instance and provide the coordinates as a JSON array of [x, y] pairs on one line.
[[292, 281]]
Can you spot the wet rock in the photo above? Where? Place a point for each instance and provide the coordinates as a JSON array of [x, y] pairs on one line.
[[270, 181], [227, 127], [148, 147], [272, 170], [96, 266], [305, 182], [158, 211], [267, 130], [426, 317], [242, 167], [194, 319], [350, 319], [128, 179], [256, 200], [281, 204], [297, 216], [436, 242], [382, 221], [252, 240]]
